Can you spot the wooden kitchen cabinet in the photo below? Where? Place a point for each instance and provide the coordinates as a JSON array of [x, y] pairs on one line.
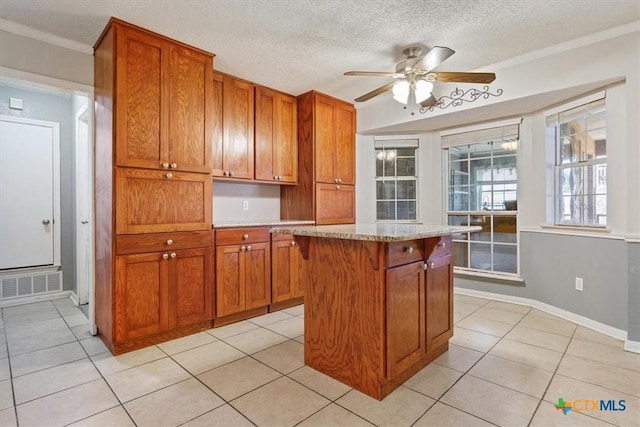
[[161, 290], [153, 141], [326, 162], [243, 271], [276, 137], [235, 150], [149, 201], [163, 113], [286, 264], [439, 301]]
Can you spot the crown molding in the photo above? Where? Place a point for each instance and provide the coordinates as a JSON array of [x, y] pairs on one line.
[[563, 47], [23, 30]]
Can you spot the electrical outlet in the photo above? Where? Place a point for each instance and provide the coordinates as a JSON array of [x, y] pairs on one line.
[[579, 284], [245, 205]]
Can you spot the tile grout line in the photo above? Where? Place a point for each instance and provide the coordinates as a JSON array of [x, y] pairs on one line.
[[13, 392]]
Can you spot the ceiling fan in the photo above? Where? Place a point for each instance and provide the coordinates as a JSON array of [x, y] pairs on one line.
[[415, 78]]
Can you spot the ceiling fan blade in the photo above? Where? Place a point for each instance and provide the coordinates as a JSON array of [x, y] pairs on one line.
[[429, 102], [375, 92], [452, 77], [434, 57], [373, 74]]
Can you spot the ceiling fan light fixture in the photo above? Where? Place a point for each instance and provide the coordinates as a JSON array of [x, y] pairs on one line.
[[423, 90], [401, 91]]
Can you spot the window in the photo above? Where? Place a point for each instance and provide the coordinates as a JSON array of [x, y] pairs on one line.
[[482, 189], [579, 138], [396, 180]]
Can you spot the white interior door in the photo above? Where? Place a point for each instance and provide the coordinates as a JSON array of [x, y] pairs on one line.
[[84, 244], [27, 222]]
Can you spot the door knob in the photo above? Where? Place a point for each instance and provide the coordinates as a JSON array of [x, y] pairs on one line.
[[46, 221], [84, 222]]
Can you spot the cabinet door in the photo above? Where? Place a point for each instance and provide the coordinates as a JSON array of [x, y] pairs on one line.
[[190, 286], [281, 269], [335, 204], [257, 275], [439, 305], [238, 98], [345, 150], [150, 201], [325, 139], [190, 115], [230, 279], [265, 130], [285, 147], [141, 300], [405, 295], [217, 168], [141, 112]]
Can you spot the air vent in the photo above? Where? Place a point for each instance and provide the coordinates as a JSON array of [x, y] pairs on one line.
[[36, 283]]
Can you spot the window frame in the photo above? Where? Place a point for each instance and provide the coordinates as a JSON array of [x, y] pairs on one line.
[[471, 215], [394, 144]]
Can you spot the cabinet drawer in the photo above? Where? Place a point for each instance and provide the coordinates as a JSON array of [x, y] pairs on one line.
[[281, 237], [156, 242], [438, 246], [399, 253], [237, 236]]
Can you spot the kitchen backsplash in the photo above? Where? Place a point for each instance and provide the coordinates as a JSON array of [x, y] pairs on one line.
[[262, 202]]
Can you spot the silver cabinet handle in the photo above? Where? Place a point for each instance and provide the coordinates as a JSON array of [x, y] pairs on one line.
[[245, 237], [225, 173], [169, 242], [173, 255], [337, 187], [339, 181], [169, 175], [232, 173], [409, 249], [165, 256], [335, 180], [432, 265], [243, 248], [46, 222], [165, 165], [424, 266], [249, 247], [174, 166], [293, 243]]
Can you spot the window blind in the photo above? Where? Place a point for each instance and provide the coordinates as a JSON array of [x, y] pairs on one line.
[[495, 134], [395, 143], [575, 113]]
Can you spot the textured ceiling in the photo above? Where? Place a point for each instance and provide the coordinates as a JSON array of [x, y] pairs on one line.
[[298, 45]]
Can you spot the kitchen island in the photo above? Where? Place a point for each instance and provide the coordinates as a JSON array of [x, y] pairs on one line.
[[378, 300]]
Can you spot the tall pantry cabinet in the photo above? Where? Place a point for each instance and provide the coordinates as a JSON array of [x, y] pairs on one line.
[[154, 256], [326, 162]]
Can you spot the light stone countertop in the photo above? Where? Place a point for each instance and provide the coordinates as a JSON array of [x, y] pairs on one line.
[[265, 223], [376, 232]]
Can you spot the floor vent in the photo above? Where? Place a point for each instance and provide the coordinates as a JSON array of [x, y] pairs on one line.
[[26, 284]]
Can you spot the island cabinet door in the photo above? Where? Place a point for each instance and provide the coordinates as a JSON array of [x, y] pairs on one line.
[[230, 278], [281, 269], [190, 286], [405, 295], [439, 305], [257, 275]]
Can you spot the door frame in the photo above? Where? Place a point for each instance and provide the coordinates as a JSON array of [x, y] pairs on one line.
[[84, 196], [56, 178]]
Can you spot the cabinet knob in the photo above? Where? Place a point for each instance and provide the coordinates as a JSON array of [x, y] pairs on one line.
[[232, 173], [245, 237], [243, 248], [249, 247], [225, 173], [165, 256], [173, 255], [174, 166], [442, 244], [409, 249], [335, 180], [293, 243], [165, 165], [169, 175], [275, 177], [279, 177], [339, 180], [169, 242], [337, 187]]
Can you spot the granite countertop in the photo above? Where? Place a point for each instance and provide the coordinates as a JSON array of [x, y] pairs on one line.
[[264, 223], [376, 232]]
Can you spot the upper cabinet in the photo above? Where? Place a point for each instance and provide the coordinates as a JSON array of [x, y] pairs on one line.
[[164, 112], [276, 137], [335, 141], [233, 147]]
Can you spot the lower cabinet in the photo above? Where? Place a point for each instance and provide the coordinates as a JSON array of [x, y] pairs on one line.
[[286, 262], [243, 273], [439, 300], [161, 290]]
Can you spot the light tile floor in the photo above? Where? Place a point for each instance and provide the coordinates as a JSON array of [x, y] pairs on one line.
[[507, 365]]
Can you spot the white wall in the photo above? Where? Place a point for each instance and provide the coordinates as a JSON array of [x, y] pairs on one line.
[[264, 202]]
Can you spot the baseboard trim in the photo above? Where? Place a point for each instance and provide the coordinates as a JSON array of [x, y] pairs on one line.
[[34, 298], [74, 298], [619, 334]]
